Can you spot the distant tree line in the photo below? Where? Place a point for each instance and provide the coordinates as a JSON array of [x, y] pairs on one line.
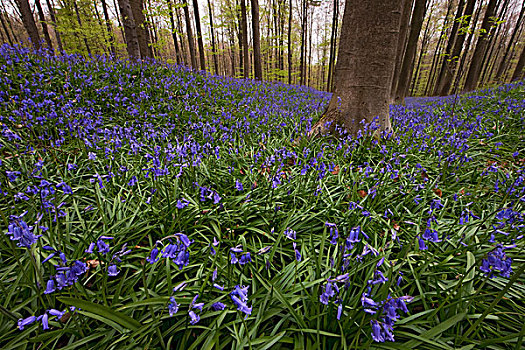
[[444, 46]]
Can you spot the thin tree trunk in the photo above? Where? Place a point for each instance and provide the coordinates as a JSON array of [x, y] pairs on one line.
[[437, 52], [184, 54], [504, 62], [130, 29], [43, 22], [333, 38], [80, 27], [213, 48], [29, 22], [449, 65], [173, 32], [119, 22], [108, 27], [405, 75], [200, 43], [189, 31], [256, 40], [483, 41], [369, 36], [2, 20], [401, 44], [304, 29], [244, 37], [450, 43], [99, 19], [290, 54], [425, 42]]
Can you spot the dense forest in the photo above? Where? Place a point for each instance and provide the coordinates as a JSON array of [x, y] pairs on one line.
[[446, 46]]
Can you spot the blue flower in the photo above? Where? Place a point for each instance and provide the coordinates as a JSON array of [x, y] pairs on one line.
[[218, 306], [194, 318], [182, 203], [112, 270]]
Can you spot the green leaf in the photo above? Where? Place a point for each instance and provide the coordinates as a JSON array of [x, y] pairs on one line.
[[104, 313]]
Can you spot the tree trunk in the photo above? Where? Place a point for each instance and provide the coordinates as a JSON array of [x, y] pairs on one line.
[[244, 36], [450, 43], [401, 44], [518, 71], [53, 19], [29, 22], [424, 44], [483, 41], [304, 28], [80, 28], [256, 40], [137, 7], [108, 27], [503, 63], [189, 32], [437, 52], [333, 40], [43, 22], [213, 48], [449, 64], [173, 32], [200, 43], [365, 67], [290, 53], [2, 20], [405, 75], [130, 29], [121, 26]]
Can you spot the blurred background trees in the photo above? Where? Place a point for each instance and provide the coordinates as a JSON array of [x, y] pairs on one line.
[[445, 46]]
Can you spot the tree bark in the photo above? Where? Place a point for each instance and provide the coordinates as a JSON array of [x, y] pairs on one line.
[[290, 53], [2, 20], [401, 44], [53, 19], [405, 75], [137, 7], [130, 29], [200, 43], [80, 28], [44, 24], [333, 39], [483, 41], [450, 63], [189, 32], [108, 27], [244, 36], [503, 64], [173, 32], [256, 40], [29, 23], [213, 48], [518, 71], [304, 28], [450, 43], [365, 67]]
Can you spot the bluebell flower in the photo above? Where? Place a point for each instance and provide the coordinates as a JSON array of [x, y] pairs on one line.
[[19, 231], [218, 306], [334, 232], [12, 175], [153, 258], [112, 270], [238, 185], [245, 258], [194, 318], [92, 156], [182, 203], [422, 245], [26, 321], [50, 287], [289, 233]]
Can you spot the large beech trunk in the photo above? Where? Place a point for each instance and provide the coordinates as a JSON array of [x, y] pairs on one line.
[[137, 8], [29, 22], [365, 67], [130, 29]]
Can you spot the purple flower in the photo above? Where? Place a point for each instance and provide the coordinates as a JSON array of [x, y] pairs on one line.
[[18, 230], [112, 270], [26, 321], [238, 185], [182, 203], [377, 333], [50, 287], [289, 233], [194, 318], [218, 306], [153, 258], [173, 307]]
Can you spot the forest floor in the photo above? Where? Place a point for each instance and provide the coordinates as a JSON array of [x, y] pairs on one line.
[[148, 206]]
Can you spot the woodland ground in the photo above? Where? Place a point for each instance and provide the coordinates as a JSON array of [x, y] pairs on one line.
[[148, 206]]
